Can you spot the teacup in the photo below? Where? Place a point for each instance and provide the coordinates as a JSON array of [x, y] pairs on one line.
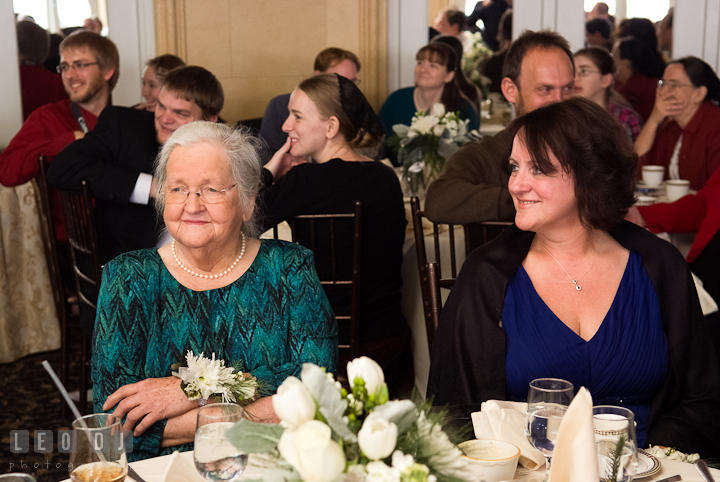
[[653, 175], [646, 200], [676, 188], [491, 460]]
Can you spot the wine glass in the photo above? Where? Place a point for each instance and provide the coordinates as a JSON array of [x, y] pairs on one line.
[[100, 449], [215, 457], [615, 441], [548, 399]]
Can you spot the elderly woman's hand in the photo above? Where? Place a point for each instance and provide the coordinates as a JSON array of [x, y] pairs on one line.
[[283, 161], [148, 401], [666, 105]]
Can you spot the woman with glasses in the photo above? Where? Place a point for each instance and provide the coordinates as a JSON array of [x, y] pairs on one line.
[[594, 78], [683, 130], [215, 289]]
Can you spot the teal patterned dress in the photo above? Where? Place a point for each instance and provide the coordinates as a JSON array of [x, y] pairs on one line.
[[274, 318]]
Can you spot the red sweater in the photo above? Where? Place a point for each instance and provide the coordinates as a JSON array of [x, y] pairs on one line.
[[640, 91], [39, 87], [698, 213], [47, 131], [699, 155]]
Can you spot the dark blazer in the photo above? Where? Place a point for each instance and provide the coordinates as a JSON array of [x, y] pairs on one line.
[[468, 356], [110, 157]]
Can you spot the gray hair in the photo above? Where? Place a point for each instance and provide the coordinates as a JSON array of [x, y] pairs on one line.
[[241, 151]]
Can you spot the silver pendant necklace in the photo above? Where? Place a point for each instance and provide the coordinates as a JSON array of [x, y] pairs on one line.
[[574, 280]]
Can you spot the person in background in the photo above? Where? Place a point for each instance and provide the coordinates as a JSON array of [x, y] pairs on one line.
[[636, 74], [153, 75], [331, 122], [598, 34], [93, 24], [683, 130], [490, 12], [665, 35], [216, 290], [492, 66], [89, 71], [472, 188], [332, 60], [37, 85], [602, 11], [573, 291], [594, 79], [450, 21], [435, 82], [467, 88]]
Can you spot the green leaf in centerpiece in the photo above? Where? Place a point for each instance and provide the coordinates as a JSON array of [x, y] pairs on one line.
[[254, 438]]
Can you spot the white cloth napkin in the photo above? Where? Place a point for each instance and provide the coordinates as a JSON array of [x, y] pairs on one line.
[[505, 421], [181, 469], [575, 457]]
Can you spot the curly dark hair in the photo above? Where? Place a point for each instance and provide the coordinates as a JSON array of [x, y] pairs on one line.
[[592, 146]]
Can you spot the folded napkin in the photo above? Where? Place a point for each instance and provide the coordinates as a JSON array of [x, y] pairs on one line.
[[181, 469], [575, 457], [505, 421]]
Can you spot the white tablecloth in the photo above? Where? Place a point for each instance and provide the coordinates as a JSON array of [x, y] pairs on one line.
[[152, 470]]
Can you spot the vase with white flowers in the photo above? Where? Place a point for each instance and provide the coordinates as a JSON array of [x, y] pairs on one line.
[[429, 140], [329, 434]]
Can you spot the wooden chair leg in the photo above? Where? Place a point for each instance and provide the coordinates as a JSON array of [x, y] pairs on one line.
[[84, 375]]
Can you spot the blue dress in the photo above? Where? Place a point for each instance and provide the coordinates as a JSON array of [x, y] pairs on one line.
[[625, 363], [274, 318]]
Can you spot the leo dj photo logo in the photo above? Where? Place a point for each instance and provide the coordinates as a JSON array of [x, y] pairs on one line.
[[67, 441]]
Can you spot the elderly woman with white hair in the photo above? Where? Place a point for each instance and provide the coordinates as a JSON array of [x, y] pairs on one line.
[[214, 289]]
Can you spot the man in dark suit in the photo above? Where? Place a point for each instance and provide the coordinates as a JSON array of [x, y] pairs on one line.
[[117, 157]]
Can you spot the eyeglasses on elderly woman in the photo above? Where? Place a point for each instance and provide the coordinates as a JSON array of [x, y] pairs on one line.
[[208, 194]]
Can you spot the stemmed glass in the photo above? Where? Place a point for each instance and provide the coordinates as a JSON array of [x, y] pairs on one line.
[[615, 441], [215, 457], [100, 450], [548, 399]]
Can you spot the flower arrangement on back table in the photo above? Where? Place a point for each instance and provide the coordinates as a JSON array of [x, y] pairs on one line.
[[429, 140], [475, 51], [328, 434]]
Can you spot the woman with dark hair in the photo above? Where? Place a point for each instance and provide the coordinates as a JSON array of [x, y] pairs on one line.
[[683, 130], [467, 89], [331, 122], [637, 73], [573, 291], [435, 82], [594, 78]]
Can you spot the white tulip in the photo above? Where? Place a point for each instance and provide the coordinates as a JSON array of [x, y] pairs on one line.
[[312, 452], [377, 437], [438, 109], [367, 369], [293, 403]]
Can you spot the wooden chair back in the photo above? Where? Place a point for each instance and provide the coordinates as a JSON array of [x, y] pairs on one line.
[[475, 235], [63, 296], [325, 241], [77, 208]]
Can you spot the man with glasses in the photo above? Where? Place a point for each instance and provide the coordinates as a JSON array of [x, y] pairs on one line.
[[89, 70], [473, 187], [117, 158], [332, 60]]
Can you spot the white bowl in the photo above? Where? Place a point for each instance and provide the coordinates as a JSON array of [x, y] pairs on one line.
[[491, 460]]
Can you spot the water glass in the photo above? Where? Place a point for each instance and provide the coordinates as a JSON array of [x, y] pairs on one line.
[[100, 449], [548, 400], [615, 443], [215, 457]]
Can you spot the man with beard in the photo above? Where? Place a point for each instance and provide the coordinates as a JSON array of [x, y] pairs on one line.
[[473, 187], [89, 69], [117, 157]]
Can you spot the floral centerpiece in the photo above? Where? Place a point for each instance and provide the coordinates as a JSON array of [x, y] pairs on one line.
[[204, 377], [428, 141], [328, 434], [475, 51]]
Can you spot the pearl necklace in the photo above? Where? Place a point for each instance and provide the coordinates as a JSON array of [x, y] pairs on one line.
[[575, 281], [205, 276]]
